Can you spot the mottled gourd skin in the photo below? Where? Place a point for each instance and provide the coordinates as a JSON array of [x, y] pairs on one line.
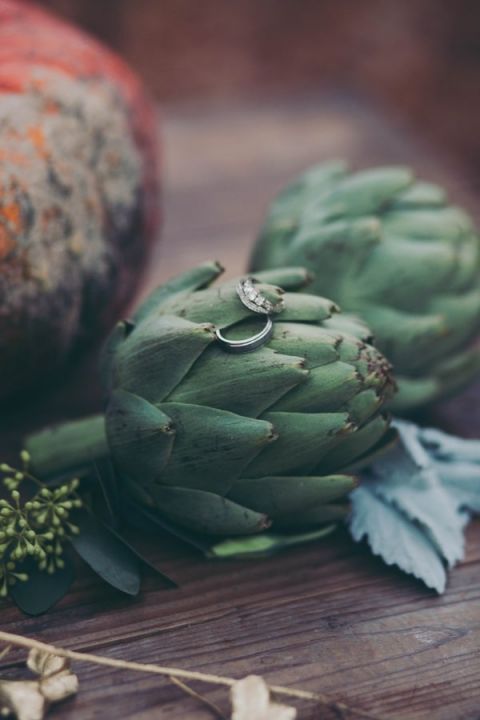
[[78, 194], [389, 247]]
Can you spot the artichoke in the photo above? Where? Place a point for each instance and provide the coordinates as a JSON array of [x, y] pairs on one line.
[[389, 247], [230, 444]]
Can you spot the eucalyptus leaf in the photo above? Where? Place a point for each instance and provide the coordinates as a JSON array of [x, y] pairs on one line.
[[140, 517], [105, 474], [131, 545], [42, 590], [110, 558]]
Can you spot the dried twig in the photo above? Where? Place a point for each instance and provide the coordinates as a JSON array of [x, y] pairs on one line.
[[200, 698], [208, 678]]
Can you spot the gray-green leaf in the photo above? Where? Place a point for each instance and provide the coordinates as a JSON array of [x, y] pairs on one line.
[[415, 501]]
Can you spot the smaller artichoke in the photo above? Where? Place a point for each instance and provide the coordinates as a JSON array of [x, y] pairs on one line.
[[231, 444], [388, 247]]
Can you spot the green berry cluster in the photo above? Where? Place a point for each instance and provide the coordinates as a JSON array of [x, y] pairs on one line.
[[37, 527]]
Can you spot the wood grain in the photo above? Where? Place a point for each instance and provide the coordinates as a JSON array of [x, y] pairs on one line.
[[328, 617]]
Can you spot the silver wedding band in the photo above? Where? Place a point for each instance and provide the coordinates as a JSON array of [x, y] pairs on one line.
[[249, 344], [257, 303]]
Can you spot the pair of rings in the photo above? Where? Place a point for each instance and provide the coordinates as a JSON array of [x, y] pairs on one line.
[[257, 303]]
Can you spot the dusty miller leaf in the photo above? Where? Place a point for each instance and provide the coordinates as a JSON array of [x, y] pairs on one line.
[[462, 482], [415, 501], [251, 701], [395, 539], [416, 491]]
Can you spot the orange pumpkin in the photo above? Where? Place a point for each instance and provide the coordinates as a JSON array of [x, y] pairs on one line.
[[78, 195]]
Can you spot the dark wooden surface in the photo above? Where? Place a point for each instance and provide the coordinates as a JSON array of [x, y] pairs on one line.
[[328, 617]]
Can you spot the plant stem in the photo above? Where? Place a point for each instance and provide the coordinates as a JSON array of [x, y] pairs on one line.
[[67, 448], [205, 701], [320, 698]]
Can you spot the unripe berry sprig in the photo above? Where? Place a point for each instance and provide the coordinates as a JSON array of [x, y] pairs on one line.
[[36, 528]]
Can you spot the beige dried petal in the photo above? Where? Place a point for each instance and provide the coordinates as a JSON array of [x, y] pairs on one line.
[[30, 699], [23, 698], [59, 686], [43, 663], [251, 701]]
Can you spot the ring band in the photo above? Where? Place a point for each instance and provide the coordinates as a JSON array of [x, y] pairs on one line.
[[249, 344], [252, 299]]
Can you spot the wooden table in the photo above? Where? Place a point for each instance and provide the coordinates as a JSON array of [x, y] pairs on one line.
[[328, 617]]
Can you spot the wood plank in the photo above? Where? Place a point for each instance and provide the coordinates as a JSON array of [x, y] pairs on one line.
[[328, 617]]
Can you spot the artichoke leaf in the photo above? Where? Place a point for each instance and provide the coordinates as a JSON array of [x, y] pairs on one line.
[[337, 241], [246, 384], [366, 360], [336, 248], [420, 195], [462, 312], [292, 278], [140, 436], [328, 389], [347, 324], [207, 512], [312, 342], [355, 445], [307, 308], [467, 266], [158, 354], [367, 192], [220, 305], [304, 439], [414, 392], [445, 379], [277, 496], [405, 337], [397, 271], [448, 224], [364, 405], [314, 516], [212, 446], [194, 279]]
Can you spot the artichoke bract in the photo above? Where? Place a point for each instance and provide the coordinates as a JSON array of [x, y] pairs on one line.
[[231, 444], [390, 248]]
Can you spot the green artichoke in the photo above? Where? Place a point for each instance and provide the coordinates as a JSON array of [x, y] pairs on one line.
[[230, 444], [389, 247]]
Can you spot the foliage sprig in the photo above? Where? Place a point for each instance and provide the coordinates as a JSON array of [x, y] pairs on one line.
[[33, 525]]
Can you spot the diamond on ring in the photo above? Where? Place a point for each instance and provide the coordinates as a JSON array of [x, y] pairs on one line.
[[257, 303], [254, 300]]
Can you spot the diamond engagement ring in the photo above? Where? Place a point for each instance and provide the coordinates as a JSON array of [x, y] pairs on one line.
[[257, 303]]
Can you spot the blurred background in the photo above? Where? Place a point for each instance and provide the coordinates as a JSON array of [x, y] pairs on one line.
[[254, 91], [418, 59]]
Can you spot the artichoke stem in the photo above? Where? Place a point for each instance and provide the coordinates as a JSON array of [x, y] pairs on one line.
[[68, 448]]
